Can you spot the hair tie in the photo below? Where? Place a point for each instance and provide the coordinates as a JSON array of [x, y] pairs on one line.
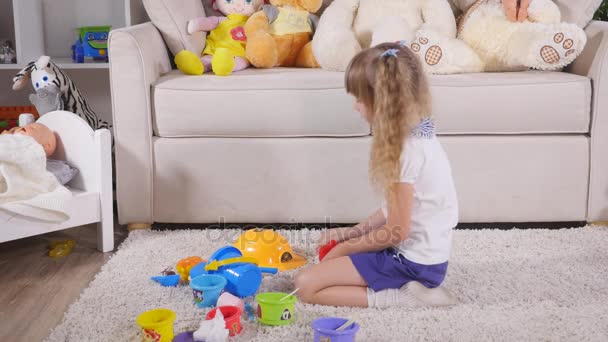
[[389, 52]]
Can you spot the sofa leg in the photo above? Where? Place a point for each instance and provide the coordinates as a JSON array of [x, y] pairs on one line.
[[599, 223], [138, 225]]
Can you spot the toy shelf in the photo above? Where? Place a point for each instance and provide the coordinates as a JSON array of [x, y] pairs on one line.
[[48, 27]]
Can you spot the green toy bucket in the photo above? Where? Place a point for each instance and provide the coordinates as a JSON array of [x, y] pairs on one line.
[[273, 311]]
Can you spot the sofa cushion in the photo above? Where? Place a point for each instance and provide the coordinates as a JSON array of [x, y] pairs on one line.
[[579, 12], [512, 103], [171, 18], [256, 103], [312, 102]]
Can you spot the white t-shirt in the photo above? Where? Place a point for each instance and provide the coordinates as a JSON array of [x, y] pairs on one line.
[[425, 165]]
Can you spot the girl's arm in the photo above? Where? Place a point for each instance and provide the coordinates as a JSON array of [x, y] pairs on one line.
[[375, 220], [395, 231]]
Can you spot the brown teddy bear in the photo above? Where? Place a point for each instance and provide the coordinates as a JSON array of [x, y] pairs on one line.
[[280, 34]]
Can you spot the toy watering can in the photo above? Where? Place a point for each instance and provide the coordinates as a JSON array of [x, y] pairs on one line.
[[242, 273]]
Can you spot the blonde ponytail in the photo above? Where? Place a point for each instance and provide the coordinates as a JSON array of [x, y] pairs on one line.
[[389, 80]]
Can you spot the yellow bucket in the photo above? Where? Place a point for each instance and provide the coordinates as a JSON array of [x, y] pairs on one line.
[[157, 325]]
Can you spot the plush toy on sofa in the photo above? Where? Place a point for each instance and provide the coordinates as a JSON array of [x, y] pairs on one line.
[[280, 35], [225, 47], [541, 42], [427, 26]]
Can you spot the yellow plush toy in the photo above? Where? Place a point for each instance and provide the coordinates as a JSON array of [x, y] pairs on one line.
[[225, 47], [280, 34]]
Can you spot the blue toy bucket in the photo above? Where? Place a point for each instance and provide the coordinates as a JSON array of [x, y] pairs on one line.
[[325, 330], [243, 279], [207, 288]]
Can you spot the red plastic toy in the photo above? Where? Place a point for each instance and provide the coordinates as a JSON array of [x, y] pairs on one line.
[[325, 249]]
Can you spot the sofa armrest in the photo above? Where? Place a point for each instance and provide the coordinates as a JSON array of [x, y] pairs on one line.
[[593, 63], [138, 57]]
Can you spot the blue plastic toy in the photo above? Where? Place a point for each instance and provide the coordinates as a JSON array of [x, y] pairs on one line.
[[244, 278], [92, 43], [167, 280], [206, 289]]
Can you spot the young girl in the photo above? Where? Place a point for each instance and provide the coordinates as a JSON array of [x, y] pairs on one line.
[[399, 255]]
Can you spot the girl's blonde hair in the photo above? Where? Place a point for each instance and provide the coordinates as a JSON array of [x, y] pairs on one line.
[[389, 80]]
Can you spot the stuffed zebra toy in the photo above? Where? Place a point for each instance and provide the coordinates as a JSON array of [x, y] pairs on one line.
[[48, 78]]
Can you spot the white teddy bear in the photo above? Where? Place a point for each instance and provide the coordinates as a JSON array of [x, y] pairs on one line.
[[427, 26], [541, 42]]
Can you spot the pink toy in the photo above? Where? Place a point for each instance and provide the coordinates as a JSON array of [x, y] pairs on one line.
[[228, 299]]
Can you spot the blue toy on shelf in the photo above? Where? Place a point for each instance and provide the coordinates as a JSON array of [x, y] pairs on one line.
[[92, 43]]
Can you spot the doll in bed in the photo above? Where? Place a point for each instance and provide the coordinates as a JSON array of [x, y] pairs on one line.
[[42, 134], [46, 138]]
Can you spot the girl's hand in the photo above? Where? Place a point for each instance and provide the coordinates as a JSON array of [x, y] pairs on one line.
[[339, 251]]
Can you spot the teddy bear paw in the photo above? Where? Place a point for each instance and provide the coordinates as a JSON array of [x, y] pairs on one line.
[[559, 50], [429, 52], [552, 55]]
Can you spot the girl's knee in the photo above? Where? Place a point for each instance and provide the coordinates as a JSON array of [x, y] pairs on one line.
[[305, 282]]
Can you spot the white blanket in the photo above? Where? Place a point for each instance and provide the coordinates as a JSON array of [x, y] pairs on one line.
[[26, 187]]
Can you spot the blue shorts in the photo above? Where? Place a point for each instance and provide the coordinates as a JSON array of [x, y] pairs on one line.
[[389, 270]]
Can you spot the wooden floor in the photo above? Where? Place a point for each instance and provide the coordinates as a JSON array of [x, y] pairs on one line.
[[36, 290]]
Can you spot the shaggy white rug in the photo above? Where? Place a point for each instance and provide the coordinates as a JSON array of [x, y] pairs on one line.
[[517, 285]]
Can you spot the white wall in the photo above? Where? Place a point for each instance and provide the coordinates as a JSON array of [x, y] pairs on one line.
[[7, 26]]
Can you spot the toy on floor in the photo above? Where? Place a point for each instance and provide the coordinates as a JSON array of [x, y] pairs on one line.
[[243, 275], [334, 329], [270, 248], [274, 311], [250, 313], [213, 330], [225, 46], [326, 248], [228, 299], [232, 318], [185, 265], [92, 43], [157, 325], [60, 249], [167, 278], [207, 288]]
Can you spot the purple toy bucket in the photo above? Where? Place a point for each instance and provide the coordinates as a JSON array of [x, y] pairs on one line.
[[325, 330]]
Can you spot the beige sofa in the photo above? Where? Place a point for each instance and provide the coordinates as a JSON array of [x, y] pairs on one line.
[[285, 145]]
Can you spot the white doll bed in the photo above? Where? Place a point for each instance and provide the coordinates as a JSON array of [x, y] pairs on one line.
[[90, 152]]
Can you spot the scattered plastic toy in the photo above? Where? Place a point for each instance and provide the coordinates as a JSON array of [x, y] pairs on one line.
[[243, 275], [60, 249], [249, 310], [326, 248], [167, 280], [183, 266], [270, 248], [213, 330], [232, 318], [157, 325]]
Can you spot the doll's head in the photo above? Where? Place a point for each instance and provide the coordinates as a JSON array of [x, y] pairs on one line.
[[42, 134], [244, 7], [311, 6]]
